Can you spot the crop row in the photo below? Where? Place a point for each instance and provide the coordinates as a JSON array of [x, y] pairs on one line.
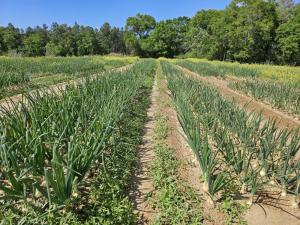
[[231, 145], [50, 145], [282, 74], [21, 70], [210, 69], [282, 96]]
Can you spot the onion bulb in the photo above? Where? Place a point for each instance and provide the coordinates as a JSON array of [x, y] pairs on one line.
[[250, 201], [295, 203], [243, 189], [262, 173], [205, 187], [210, 202], [283, 193], [272, 182]]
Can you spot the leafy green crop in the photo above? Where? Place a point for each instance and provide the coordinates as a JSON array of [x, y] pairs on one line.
[[50, 145], [247, 148]]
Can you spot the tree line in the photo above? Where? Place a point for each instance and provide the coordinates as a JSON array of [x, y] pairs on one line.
[[248, 31], [62, 40]]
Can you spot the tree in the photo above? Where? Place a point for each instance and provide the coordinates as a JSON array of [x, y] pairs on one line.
[[11, 38], [2, 46], [167, 39], [206, 35], [138, 28], [62, 41], [104, 38], [285, 9], [288, 38], [251, 30], [87, 42], [34, 41], [117, 41], [141, 25]]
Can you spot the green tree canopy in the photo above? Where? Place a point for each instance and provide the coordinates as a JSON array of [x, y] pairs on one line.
[[288, 38]]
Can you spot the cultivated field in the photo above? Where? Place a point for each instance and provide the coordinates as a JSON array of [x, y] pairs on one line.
[[121, 140]]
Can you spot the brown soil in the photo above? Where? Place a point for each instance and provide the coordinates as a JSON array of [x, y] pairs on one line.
[[8, 102], [189, 170], [142, 185], [268, 210]]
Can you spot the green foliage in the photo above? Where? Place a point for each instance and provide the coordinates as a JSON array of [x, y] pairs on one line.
[[18, 75], [254, 152], [167, 39], [282, 96], [251, 30], [140, 25], [221, 70], [289, 39], [74, 164], [233, 211], [34, 41], [205, 36]]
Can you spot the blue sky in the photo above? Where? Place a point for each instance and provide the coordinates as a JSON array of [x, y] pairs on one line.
[[24, 13]]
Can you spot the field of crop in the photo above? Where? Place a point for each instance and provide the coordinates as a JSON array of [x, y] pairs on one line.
[[282, 92], [18, 75], [153, 143]]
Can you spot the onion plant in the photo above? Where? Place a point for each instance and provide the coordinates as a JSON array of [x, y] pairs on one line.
[[50, 142], [255, 150], [280, 95], [215, 69]]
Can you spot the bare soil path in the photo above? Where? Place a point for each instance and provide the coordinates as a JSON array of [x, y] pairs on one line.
[[142, 184], [8, 102], [283, 120], [189, 168]]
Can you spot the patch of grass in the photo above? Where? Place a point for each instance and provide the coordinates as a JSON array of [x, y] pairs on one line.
[[233, 211]]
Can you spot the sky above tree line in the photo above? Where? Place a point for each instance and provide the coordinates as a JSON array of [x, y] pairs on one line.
[[24, 13]]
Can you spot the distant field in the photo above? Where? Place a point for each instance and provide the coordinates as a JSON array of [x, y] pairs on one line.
[[17, 75], [284, 74], [276, 85]]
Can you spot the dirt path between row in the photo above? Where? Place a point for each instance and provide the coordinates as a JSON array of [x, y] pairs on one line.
[[189, 169], [142, 184], [7, 103], [283, 120], [269, 211]]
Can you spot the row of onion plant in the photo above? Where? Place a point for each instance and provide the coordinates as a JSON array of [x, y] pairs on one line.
[[280, 95], [50, 143], [257, 152], [21, 70], [215, 69]]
